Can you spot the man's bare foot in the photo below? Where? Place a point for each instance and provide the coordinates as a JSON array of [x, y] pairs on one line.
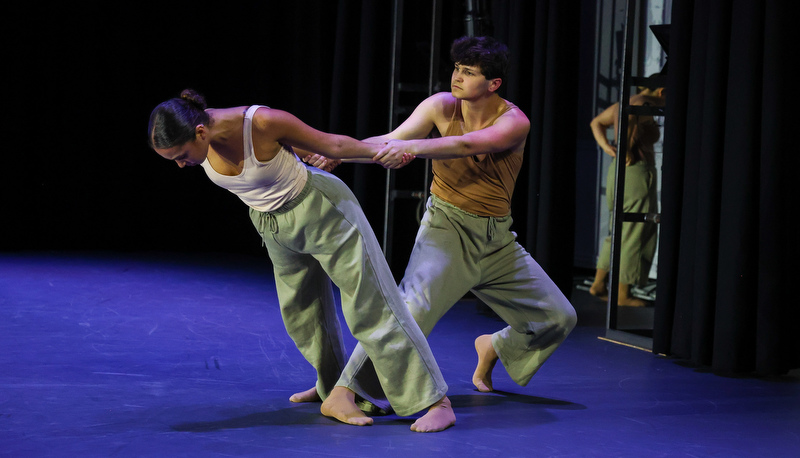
[[439, 417], [341, 405], [309, 395], [487, 358]]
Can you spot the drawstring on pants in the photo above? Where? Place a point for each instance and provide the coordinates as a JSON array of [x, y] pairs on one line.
[[272, 222], [491, 230], [267, 220]]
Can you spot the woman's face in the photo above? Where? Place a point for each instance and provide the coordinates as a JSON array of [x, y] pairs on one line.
[[189, 154]]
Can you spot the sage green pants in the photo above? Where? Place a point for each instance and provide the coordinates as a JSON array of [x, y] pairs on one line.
[[321, 236], [456, 252], [638, 239]]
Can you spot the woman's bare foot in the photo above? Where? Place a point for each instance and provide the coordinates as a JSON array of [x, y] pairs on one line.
[[341, 405], [487, 358], [600, 292], [309, 395], [599, 288], [631, 301], [625, 297], [603, 296], [439, 417]]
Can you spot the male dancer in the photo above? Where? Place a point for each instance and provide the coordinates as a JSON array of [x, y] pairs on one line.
[[465, 242]]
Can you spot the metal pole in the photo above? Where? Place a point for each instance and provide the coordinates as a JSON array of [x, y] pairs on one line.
[[433, 76], [388, 204], [619, 180]]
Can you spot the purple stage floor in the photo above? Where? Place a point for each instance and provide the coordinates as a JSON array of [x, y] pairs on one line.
[[185, 355]]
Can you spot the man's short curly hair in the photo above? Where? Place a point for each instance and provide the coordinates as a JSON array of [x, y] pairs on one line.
[[485, 52]]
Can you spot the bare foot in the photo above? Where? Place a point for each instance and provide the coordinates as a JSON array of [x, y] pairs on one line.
[[341, 405], [487, 358], [631, 301], [599, 290], [309, 395], [625, 297], [439, 417]]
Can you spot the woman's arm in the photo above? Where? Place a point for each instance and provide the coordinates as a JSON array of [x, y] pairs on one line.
[[600, 125], [271, 126]]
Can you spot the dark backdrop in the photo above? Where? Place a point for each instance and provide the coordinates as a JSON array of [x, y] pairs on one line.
[[83, 85], [728, 258], [84, 82]]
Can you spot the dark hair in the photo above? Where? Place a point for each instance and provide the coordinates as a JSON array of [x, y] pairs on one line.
[[173, 122], [653, 82], [485, 52]]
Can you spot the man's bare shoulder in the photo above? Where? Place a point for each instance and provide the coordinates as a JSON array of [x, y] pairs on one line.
[[443, 97], [441, 105], [514, 114]]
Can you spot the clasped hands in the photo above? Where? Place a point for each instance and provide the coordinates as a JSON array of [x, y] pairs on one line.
[[391, 156]]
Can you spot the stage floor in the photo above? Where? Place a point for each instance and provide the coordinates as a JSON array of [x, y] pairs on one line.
[[123, 354]]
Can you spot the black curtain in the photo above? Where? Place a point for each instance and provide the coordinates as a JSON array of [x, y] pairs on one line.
[[544, 38], [359, 92], [727, 253]]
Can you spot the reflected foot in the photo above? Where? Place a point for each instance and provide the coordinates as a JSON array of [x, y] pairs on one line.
[[632, 302], [599, 291]]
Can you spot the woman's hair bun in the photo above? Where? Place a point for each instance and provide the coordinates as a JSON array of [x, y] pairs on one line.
[[194, 97]]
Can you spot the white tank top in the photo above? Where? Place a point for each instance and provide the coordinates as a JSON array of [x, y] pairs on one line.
[[265, 186]]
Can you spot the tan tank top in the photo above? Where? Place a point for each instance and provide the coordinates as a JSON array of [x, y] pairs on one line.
[[481, 186]]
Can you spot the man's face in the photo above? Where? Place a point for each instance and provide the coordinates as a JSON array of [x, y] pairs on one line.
[[468, 82]]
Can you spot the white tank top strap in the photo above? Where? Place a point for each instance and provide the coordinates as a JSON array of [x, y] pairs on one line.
[[249, 154]]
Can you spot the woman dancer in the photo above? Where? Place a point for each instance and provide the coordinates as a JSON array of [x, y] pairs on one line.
[[315, 232]]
